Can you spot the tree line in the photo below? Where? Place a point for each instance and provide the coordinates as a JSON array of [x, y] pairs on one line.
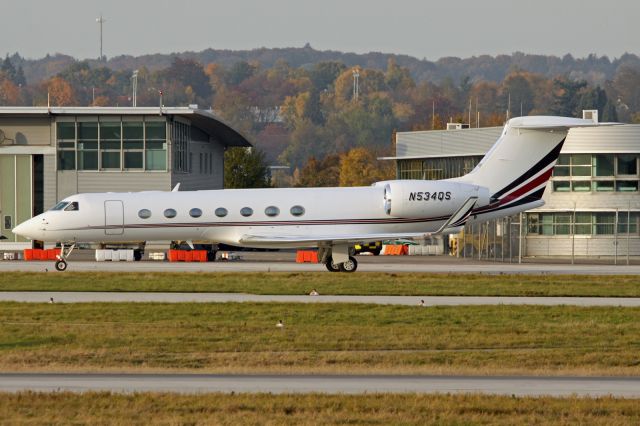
[[320, 119]]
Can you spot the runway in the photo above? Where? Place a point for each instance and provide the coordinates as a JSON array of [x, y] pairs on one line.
[[87, 297], [388, 264], [194, 383]]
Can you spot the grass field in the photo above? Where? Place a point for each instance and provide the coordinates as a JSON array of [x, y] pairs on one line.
[[327, 338], [325, 283], [310, 409]]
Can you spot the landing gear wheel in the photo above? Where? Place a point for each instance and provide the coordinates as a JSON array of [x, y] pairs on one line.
[[332, 267], [61, 265], [350, 265]]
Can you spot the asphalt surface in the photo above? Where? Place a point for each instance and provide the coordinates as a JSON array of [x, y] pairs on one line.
[[85, 297], [392, 264], [194, 383]]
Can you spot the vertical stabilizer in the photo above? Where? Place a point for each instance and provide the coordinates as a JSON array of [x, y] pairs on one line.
[[516, 169]]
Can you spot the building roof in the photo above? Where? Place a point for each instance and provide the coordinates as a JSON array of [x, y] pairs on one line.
[[203, 119]]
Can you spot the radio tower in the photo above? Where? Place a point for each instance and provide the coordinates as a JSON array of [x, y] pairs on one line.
[[101, 21]]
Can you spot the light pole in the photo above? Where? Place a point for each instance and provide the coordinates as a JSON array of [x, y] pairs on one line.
[[101, 21], [134, 88], [356, 84]]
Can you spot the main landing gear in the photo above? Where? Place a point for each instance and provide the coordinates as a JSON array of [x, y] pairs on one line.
[[338, 258], [61, 262]]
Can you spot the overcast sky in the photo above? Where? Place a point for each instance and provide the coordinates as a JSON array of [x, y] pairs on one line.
[[420, 28]]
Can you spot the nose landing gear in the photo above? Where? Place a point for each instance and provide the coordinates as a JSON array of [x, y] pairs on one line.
[[61, 262]]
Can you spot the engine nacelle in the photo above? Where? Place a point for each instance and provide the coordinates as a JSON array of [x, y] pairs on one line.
[[425, 198]]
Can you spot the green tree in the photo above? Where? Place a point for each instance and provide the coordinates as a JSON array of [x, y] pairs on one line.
[[245, 168], [566, 96]]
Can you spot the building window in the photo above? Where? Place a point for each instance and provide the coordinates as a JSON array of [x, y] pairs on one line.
[[133, 144], [144, 214], [627, 186], [195, 212], [66, 144], [246, 211], [297, 210], [585, 223], [8, 223], [170, 213], [603, 165], [272, 211], [181, 135], [627, 165], [110, 145], [628, 222], [88, 146], [221, 212], [608, 173], [156, 145]]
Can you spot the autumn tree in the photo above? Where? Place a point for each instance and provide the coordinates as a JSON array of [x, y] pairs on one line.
[[319, 173], [60, 92], [359, 167]]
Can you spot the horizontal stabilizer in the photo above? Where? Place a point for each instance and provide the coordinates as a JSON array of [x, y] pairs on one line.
[[552, 123]]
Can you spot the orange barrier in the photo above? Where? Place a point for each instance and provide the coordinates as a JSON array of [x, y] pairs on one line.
[[40, 254], [396, 250], [307, 256], [187, 256]]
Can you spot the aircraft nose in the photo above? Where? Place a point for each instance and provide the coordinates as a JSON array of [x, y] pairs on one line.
[[25, 229]]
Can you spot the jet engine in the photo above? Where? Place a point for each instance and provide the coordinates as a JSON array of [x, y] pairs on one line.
[[424, 198]]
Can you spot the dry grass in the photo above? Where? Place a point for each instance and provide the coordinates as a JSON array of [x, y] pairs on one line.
[[310, 409], [301, 283], [242, 337]]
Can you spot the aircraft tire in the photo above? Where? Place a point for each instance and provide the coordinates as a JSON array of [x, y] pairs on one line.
[[332, 267], [61, 265], [350, 265]]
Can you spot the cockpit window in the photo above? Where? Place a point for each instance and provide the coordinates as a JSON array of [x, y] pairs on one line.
[[60, 206], [72, 207]]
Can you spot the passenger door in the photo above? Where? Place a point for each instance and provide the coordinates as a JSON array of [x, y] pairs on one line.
[[113, 217]]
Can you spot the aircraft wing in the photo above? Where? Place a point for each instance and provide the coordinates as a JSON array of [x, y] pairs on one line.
[[455, 221], [355, 238]]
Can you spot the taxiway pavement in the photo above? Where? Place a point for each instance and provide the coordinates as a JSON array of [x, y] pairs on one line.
[[87, 297], [347, 384], [379, 264]]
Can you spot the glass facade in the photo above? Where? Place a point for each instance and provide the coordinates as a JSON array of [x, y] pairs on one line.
[[436, 168], [596, 173], [585, 223], [112, 144]]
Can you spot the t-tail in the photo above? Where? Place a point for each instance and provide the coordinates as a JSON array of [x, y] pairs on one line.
[[518, 166]]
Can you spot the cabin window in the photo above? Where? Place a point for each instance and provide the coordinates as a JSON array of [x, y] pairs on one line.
[[170, 213], [297, 210], [144, 214], [272, 211], [246, 211], [60, 206], [195, 212], [221, 212], [72, 207]]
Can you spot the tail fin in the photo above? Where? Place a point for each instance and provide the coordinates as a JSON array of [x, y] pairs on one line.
[[516, 169]]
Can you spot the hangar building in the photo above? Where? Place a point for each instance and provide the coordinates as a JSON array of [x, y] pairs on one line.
[[47, 154], [592, 203]]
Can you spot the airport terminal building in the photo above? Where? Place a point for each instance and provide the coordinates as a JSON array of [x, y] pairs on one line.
[[592, 203], [47, 154]]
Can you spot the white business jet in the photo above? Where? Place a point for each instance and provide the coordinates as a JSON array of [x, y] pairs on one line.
[[511, 178]]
